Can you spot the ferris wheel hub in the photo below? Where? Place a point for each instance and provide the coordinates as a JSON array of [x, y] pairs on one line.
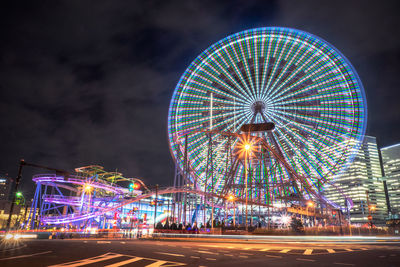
[[258, 107]]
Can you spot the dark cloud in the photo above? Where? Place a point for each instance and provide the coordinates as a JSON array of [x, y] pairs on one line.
[[90, 82]]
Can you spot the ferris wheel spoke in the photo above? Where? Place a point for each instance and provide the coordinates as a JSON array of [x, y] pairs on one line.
[[290, 57], [257, 52], [268, 62], [229, 76], [246, 66], [220, 85], [279, 63], [306, 79], [235, 73]]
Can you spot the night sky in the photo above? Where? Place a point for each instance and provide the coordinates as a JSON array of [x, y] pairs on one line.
[[89, 82]]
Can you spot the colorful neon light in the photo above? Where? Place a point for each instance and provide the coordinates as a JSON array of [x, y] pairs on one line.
[[306, 87]]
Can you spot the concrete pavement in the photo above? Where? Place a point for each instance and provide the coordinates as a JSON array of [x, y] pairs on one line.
[[183, 253]]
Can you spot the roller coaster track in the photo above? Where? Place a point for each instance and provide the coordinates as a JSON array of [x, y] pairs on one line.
[[101, 211]]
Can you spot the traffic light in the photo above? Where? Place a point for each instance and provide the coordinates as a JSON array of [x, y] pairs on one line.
[[19, 198], [134, 186], [334, 214]]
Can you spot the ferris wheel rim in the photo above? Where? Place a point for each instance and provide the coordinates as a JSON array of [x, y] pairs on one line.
[[200, 58]]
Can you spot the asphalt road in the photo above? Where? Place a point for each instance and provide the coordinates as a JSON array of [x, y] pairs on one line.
[[201, 253]]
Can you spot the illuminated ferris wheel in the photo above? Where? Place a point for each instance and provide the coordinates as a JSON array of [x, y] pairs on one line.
[[297, 81]]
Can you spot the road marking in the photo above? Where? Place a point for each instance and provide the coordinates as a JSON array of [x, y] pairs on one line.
[[308, 251], [341, 263], [103, 242], [211, 259], [364, 249], [230, 255], [245, 253], [124, 262], [87, 261], [243, 256], [25, 256], [247, 248], [264, 249], [109, 256], [392, 255], [230, 247], [273, 256], [171, 254], [382, 256], [330, 250], [300, 259], [285, 250], [123, 242], [159, 263], [195, 257], [207, 252], [349, 249], [84, 241]]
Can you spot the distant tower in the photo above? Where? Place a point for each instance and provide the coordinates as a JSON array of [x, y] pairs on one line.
[[362, 175], [391, 165]]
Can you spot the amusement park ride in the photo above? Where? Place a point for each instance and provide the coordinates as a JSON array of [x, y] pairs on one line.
[[258, 125]]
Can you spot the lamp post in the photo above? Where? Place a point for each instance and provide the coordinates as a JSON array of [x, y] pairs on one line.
[[309, 205], [247, 149]]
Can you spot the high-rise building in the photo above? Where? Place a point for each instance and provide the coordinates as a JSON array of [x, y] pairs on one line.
[[362, 183], [5, 186], [391, 166]]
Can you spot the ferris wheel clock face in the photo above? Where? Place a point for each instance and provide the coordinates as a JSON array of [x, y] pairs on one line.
[[298, 81]]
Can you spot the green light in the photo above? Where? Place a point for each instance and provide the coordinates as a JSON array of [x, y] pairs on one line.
[[18, 194]]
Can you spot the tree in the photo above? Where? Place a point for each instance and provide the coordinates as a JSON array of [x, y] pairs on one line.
[[296, 225]]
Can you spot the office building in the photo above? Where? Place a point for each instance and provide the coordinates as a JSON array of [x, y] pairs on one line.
[[391, 166], [362, 183]]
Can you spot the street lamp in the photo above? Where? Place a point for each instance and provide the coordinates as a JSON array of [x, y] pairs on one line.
[[247, 149], [87, 188]]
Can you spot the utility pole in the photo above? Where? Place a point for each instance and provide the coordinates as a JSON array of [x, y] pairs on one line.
[[22, 163], [17, 181]]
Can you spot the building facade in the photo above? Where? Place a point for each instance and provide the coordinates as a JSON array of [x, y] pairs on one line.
[[362, 183], [5, 186], [391, 166]]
